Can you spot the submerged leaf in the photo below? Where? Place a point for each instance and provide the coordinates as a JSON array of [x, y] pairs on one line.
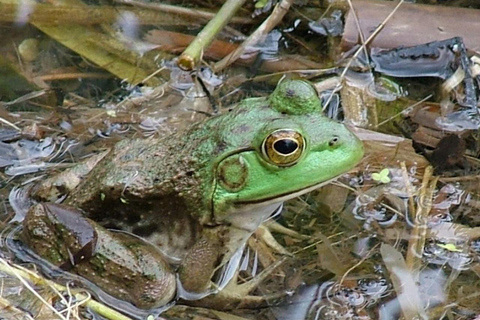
[[404, 282]]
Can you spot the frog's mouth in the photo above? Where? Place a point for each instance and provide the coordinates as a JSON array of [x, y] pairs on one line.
[[282, 197], [248, 215]]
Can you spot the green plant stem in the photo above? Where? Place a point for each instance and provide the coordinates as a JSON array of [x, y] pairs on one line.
[[275, 17], [193, 53]]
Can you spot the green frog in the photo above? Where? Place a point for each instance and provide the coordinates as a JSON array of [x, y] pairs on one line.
[[187, 202]]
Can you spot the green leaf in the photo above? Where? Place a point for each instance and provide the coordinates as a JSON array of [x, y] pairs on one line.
[[449, 246], [382, 177], [260, 3]]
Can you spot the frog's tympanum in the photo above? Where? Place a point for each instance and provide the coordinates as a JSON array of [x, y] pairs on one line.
[[197, 196]]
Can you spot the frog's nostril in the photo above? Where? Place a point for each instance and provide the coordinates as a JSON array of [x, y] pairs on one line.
[[334, 141]]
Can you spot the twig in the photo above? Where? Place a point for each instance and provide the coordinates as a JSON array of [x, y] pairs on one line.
[[403, 111], [408, 187], [363, 46], [20, 276], [419, 233], [189, 12], [8, 123], [26, 276], [275, 17], [360, 33], [367, 256], [48, 14], [7, 308], [193, 53], [74, 75], [25, 97]]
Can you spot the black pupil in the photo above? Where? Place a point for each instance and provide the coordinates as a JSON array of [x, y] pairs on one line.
[[285, 146]]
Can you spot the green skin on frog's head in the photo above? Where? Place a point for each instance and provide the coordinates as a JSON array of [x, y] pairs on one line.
[[276, 149]]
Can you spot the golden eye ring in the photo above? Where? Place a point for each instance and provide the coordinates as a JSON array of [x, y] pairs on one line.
[[283, 147]]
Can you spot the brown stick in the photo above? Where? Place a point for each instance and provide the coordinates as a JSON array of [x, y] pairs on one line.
[[412, 24], [277, 15], [48, 14], [175, 42]]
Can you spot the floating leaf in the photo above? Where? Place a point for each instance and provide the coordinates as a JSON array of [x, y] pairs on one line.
[[449, 246], [260, 4], [382, 176]]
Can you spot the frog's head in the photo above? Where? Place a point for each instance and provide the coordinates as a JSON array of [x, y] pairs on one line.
[[275, 150]]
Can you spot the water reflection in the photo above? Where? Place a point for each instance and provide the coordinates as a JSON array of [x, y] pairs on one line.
[[448, 253], [330, 300], [431, 291], [25, 8]]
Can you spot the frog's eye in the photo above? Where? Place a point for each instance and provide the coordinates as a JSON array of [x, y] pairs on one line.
[[283, 147]]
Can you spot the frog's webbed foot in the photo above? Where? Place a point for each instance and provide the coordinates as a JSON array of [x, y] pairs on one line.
[[264, 233], [235, 295], [239, 295]]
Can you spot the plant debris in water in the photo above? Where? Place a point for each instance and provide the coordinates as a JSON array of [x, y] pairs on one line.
[[394, 238]]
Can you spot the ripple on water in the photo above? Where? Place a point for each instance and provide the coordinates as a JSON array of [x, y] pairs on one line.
[[449, 253], [332, 300]]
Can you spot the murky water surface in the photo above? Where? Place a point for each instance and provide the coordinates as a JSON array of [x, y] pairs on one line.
[[392, 239]]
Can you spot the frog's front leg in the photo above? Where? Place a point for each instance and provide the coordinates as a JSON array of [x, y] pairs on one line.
[[120, 264], [199, 266]]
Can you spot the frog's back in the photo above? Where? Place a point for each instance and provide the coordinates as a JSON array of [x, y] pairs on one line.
[[136, 189]]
